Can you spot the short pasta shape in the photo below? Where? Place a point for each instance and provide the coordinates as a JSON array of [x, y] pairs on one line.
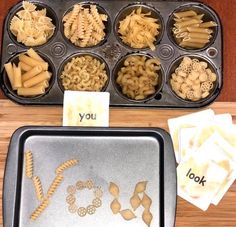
[[65, 165], [29, 164], [83, 26], [39, 210], [193, 80], [55, 184], [38, 188]]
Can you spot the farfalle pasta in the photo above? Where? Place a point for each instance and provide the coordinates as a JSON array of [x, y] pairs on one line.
[[193, 80], [84, 26], [139, 30], [32, 27]]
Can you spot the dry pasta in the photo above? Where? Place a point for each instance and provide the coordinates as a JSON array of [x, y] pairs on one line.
[[192, 79], [66, 165], [29, 164], [55, 184], [139, 30], [39, 209], [191, 31], [83, 26], [38, 187], [85, 73], [31, 77], [138, 78], [32, 27]]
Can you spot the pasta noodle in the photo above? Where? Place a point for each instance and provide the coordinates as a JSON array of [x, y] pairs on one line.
[[55, 184], [139, 78], [84, 27], [39, 210], [193, 80], [29, 164], [85, 73], [30, 26], [191, 31], [66, 165], [38, 187], [139, 30]]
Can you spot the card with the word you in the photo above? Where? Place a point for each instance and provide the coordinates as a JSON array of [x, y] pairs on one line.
[[86, 108]]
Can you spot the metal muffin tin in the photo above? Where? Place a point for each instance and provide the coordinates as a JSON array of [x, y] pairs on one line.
[[124, 156], [58, 50]]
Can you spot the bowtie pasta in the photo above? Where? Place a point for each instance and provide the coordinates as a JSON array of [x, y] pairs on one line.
[[193, 80], [139, 30], [84, 27], [30, 26], [191, 31], [85, 73], [138, 78]]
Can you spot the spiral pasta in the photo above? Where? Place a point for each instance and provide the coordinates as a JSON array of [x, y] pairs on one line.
[[29, 164], [39, 209], [66, 165], [55, 184], [38, 187]]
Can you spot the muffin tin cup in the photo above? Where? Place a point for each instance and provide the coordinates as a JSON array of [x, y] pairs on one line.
[[59, 49]]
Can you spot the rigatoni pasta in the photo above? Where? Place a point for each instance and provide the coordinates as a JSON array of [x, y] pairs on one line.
[[191, 31], [31, 76]]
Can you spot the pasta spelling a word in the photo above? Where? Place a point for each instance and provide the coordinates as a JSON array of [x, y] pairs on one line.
[[29, 164], [32, 27], [191, 30], [193, 80], [85, 73], [139, 78], [31, 76], [139, 30], [84, 26]]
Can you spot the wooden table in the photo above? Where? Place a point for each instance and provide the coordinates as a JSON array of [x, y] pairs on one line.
[[13, 116]]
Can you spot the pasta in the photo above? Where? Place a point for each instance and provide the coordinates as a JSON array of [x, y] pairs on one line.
[[55, 184], [114, 190], [85, 73], [147, 217], [38, 187], [31, 77], [127, 214], [66, 165], [29, 164], [193, 80], [39, 209], [191, 31], [146, 201], [30, 26], [115, 206], [83, 26], [135, 201], [139, 30], [139, 78]]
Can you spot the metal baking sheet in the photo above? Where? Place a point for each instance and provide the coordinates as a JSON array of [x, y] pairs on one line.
[[124, 156], [58, 50]]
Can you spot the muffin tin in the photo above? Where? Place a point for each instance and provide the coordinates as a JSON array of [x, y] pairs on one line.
[[58, 50], [124, 156]]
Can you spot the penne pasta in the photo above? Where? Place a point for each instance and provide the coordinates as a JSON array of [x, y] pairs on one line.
[[10, 73], [199, 30], [24, 67], [196, 40], [45, 84], [33, 72], [32, 62], [188, 13], [208, 24], [187, 23], [199, 35], [192, 45], [31, 91], [32, 53], [17, 77], [37, 79], [181, 35]]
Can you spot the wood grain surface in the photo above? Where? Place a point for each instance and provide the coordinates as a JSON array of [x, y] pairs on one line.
[[13, 116], [226, 10]]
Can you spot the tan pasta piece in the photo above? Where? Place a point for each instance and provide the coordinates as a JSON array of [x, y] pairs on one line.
[[66, 165], [147, 217], [115, 206], [135, 201], [114, 190], [55, 184], [38, 187], [146, 201], [39, 209], [127, 214], [140, 187], [29, 164]]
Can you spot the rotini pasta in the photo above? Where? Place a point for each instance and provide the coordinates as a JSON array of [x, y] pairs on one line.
[[85, 73], [83, 26], [39, 209], [30, 26], [38, 187], [192, 79], [66, 165], [55, 184], [29, 164]]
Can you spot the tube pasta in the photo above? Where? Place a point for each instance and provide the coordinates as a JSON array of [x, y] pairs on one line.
[[192, 31], [10, 74], [33, 54], [24, 67], [193, 80], [31, 73], [33, 91], [32, 62], [17, 76], [37, 79]]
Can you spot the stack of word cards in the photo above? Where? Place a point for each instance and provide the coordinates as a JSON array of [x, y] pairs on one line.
[[205, 148]]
